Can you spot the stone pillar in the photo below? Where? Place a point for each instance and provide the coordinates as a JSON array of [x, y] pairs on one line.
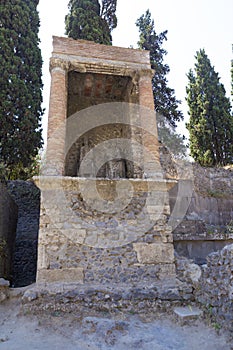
[[55, 154], [152, 166]]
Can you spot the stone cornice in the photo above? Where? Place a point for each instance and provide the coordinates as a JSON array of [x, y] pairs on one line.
[[85, 65], [65, 182]]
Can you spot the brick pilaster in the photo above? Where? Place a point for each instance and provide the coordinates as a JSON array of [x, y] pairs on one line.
[[55, 154], [148, 122]]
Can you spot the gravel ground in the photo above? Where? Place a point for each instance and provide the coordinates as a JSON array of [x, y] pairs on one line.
[[122, 332]]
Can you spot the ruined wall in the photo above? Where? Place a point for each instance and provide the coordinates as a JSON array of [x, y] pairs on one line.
[[8, 222], [212, 199], [87, 240], [212, 284], [208, 223], [27, 197], [199, 246], [215, 290]]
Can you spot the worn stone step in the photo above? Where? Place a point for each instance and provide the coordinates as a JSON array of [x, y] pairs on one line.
[[187, 313]]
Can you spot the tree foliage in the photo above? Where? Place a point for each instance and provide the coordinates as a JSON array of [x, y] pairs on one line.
[[108, 12], [165, 101], [89, 21], [169, 137], [21, 84], [211, 122]]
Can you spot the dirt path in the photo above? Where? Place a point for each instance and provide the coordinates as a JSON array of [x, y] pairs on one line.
[[124, 332]]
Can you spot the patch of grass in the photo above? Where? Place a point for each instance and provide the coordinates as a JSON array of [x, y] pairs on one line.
[[216, 326], [215, 194]]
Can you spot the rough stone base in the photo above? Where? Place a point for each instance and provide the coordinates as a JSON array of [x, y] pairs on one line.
[[92, 233], [138, 298]]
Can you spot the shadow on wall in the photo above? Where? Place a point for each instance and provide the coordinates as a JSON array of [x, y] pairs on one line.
[[8, 223], [27, 197]]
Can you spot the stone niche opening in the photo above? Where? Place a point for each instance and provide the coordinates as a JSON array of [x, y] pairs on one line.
[[90, 89], [115, 168]]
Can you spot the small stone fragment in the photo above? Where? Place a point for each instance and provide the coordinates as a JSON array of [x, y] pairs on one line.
[[187, 312]]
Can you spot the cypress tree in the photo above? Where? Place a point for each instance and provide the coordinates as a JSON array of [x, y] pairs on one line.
[[21, 84], [89, 21], [168, 136], [211, 122], [166, 104], [108, 12], [165, 101]]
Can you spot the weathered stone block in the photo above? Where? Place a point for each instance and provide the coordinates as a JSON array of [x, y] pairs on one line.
[[67, 275], [187, 313], [154, 253]]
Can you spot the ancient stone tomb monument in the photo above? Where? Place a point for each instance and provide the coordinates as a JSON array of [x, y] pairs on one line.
[[104, 202]]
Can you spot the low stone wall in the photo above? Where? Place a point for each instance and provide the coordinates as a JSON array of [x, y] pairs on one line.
[[106, 298], [215, 290], [8, 222], [27, 197]]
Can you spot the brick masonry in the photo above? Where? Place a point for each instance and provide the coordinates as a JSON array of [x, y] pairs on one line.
[[87, 64]]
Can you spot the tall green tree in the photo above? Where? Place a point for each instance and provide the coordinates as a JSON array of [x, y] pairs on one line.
[[21, 85], [165, 101], [211, 122], [89, 20], [166, 104]]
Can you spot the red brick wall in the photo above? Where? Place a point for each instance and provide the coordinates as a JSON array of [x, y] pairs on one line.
[[90, 49]]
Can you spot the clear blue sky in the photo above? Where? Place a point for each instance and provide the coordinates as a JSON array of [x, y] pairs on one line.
[[191, 25]]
